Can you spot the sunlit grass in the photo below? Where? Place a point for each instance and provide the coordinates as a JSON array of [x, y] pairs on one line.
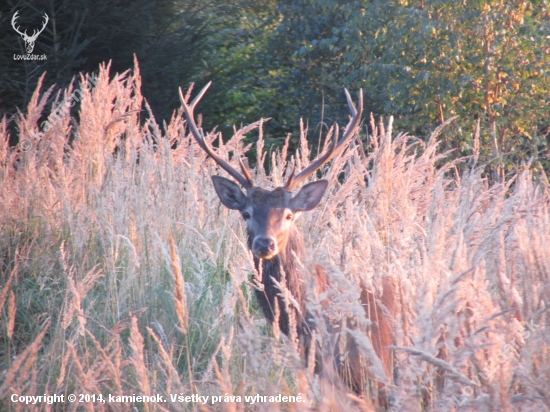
[[88, 291]]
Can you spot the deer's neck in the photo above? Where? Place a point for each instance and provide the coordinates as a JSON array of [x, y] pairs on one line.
[[283, 269]]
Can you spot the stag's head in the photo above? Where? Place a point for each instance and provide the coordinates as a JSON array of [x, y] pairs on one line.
[[270, 214], [29, 40]]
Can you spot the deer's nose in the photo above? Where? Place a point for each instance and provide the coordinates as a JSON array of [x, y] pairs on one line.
[[264, 247]]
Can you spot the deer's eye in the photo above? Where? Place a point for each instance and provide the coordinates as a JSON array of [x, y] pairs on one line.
[[246, 215], [289, 216]]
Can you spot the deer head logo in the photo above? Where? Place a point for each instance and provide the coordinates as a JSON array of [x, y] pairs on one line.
[[29, 40]]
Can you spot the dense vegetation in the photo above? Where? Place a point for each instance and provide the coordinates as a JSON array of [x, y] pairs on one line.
[[487, 62], [121, 273]]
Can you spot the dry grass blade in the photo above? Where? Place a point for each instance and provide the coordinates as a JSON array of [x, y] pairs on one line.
[[20, 370], [138, 357], [12, 310], [7, 286], [179, 293], [453, 372]]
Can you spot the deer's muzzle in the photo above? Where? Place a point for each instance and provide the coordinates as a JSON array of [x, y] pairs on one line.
[[264, 247]]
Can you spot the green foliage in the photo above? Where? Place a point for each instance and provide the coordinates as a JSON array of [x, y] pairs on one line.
[[424, 62], [248, 78]]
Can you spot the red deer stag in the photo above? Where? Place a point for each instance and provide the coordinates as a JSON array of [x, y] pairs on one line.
[[276, 245]]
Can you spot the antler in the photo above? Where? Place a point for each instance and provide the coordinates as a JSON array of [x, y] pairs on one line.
[[246, 180], [335, 148], [35, 35], [35, 32], [13, 24]]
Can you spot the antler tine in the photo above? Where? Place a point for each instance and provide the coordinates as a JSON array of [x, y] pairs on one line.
[[13, 23], [290, 178], [245, 170], [46, 20], [198, 96], [353, 123], [294, 181], [36, 32], [245, 181], [335, 148]]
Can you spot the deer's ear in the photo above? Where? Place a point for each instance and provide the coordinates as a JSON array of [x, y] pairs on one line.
[[309, 196], [229, 193]]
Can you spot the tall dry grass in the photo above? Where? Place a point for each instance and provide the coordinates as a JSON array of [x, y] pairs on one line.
[[121, 273]]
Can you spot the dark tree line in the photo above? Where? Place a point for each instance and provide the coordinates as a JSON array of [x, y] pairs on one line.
[[172, 41]]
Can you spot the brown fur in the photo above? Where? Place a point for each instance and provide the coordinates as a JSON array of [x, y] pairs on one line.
[[380, 310], [270, 270]]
